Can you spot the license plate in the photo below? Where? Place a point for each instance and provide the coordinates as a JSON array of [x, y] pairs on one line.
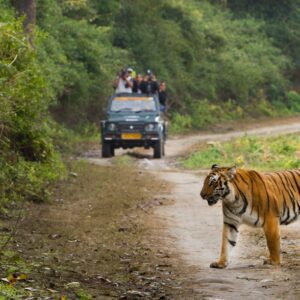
[[131, 136]]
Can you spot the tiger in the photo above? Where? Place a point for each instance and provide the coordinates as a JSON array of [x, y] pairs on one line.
[[265, 200]]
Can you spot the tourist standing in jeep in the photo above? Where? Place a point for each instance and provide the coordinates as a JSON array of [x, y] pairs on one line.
[[162, 96], [123, 82], [149, 85], [136, 83]]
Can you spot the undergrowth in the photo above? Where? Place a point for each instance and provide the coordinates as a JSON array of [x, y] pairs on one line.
[[203, 114], [263, 153]]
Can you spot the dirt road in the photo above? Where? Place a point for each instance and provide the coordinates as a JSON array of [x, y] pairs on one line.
[[116, 231], [191, 230]]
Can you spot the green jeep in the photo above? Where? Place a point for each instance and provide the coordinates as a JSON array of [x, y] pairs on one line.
[[133, 120]]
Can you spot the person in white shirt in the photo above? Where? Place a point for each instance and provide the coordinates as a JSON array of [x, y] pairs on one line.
[[123, 82]]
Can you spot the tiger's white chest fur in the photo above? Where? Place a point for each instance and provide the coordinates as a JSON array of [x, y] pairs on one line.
[[248, 217]]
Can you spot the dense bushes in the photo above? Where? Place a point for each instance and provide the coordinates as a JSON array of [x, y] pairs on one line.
[[28, 161], [282, 25], [78, 59]]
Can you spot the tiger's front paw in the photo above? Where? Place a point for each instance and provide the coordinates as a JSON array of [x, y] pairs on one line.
[[219, 265], [269, 261]]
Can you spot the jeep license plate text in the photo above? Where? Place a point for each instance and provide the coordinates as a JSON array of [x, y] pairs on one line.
[[131, 136]]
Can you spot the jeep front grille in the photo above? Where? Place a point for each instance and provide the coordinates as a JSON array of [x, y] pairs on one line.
[[131, 127]]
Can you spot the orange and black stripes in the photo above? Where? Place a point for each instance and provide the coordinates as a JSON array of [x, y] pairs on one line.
[[257, 199], [271, 193]]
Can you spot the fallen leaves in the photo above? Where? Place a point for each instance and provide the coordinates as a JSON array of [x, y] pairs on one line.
[[13, 278], [54, 236], [73, 285], [133, 293]]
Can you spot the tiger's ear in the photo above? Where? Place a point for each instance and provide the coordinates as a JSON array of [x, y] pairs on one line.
[[231, 172], [214, 167]]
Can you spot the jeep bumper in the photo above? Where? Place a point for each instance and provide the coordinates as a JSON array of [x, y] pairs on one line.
[[144, 139]]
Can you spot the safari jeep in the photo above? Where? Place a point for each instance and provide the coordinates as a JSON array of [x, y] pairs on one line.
[[133, 120]]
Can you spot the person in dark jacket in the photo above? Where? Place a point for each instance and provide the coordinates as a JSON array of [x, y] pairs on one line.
[[149, 85], [136, 84], [162, 96]]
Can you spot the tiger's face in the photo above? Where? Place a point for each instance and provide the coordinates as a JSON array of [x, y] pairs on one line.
[[216, 184]]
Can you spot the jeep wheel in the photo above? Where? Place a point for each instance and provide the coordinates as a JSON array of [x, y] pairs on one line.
[[106, 150], [158, 149], [112, 150]]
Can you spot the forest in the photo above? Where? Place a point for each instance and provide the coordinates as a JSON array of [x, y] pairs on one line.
[[222, 60]]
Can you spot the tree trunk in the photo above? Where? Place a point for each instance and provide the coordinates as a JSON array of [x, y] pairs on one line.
[[28, 9]]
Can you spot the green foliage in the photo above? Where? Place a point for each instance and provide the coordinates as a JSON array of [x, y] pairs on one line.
[[282, 24], [294, 101], [180, 123], [28, 161], [29, 179], [203, 51], [7, 292], [12, 263], [78, 59], [281, 152], [202, 114], [83, 295]]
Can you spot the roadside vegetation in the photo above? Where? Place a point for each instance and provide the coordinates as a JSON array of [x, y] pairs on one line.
[[260, 153], [91, 241], [29, 162], [204, 115]]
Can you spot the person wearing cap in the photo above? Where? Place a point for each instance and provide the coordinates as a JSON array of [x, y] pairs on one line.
[[149, 85], [131, 73], [123, 82]]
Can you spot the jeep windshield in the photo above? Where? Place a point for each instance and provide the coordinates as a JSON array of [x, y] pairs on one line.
[[133, 104]]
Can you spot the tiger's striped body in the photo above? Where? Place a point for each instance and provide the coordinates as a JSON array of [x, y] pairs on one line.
[[257, 199]]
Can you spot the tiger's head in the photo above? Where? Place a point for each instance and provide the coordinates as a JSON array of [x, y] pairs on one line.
[[216, 184]]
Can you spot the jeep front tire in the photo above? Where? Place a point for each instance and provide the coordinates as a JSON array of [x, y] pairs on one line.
[[158, 149], [107, 150]]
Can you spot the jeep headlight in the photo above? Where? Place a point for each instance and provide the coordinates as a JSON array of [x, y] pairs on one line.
[[150, 127], [112, 126]]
